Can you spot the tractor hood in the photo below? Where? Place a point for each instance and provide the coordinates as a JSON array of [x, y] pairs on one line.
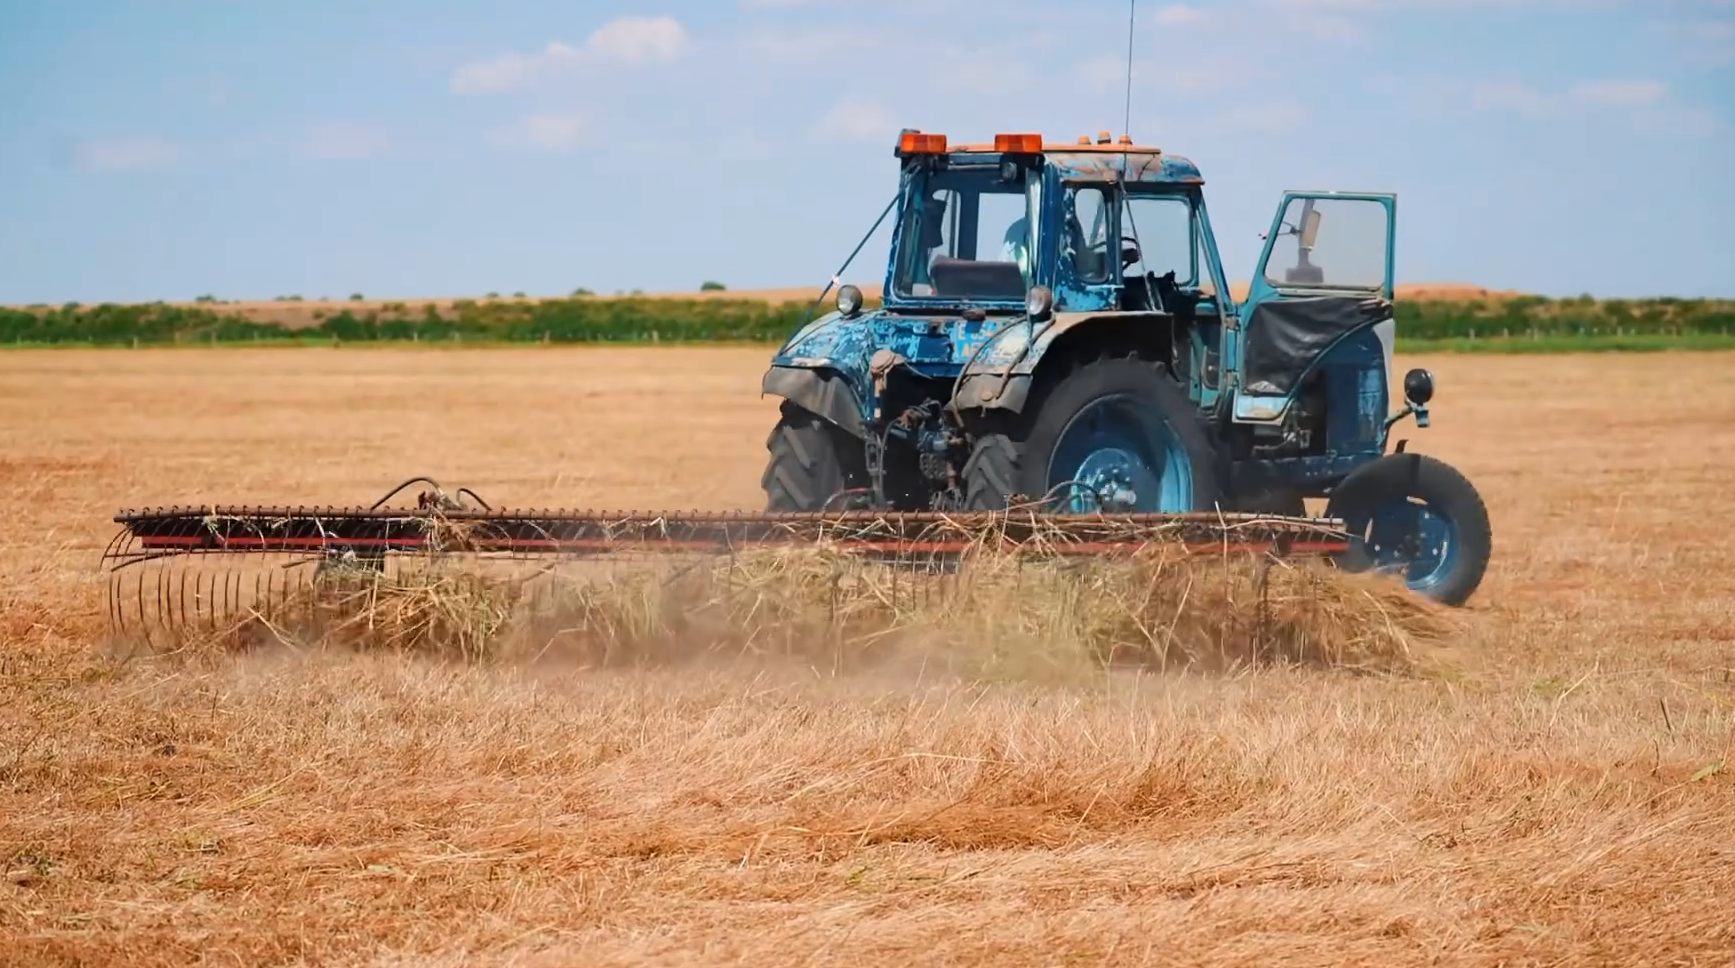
[[935, 344]]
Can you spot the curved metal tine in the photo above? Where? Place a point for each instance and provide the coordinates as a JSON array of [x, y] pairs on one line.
[[183, 624], [232, 596], [205, 594], [116, 614], [164, 612], [143, 616]]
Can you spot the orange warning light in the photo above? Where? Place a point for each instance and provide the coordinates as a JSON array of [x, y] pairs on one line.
[[921, 143]]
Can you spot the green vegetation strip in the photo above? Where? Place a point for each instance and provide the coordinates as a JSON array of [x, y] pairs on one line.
[[1522, 324]]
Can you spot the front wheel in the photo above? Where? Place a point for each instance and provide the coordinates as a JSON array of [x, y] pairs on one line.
[[813, 464], [1418, 516]]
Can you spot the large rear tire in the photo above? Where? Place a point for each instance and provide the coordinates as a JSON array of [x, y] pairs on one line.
[[1114, 435], [1418, 516], [811, 462]]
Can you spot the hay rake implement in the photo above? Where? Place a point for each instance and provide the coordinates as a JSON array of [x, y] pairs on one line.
[[178, 569]]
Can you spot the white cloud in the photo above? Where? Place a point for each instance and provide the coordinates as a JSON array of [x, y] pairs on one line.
[[1511, 96], [1332, 6], [136, 154], [1620, 94], [344, 141], [549, 132], [1708, 43], [1177, 15], [1107, 73], [747, 145], [509, 71], [856, 120], [1373, 7], [1524, 99], [781, 45], [1286, 115], [772, 4], [1199, 73], [639, 39], [1340, 30], [627, 40], [1694, 122]]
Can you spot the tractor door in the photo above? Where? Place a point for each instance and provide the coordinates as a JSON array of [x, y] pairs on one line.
[[1087, 276], [1325, 275]]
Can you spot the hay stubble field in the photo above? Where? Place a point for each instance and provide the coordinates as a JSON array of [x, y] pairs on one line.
[[1551, 789]]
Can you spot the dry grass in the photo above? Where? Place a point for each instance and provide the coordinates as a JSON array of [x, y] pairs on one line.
[[995, 615], [1547, 790]]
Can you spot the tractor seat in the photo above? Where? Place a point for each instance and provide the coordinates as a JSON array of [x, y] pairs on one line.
[[968, 277]]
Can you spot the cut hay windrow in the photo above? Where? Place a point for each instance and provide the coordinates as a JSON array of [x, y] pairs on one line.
[[999, 611]]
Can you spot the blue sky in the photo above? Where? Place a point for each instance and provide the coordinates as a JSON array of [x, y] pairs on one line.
[[402, 149]]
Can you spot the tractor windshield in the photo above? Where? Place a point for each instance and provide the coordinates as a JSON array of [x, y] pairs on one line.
[[965, 235]]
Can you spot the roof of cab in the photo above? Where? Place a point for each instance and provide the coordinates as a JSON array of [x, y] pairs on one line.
[[1100, 160], [1105, 159]]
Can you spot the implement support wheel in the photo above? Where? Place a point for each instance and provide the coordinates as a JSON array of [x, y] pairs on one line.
[[1414, 515]]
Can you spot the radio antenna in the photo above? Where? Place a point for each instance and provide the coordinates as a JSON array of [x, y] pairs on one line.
[[1127, 122]]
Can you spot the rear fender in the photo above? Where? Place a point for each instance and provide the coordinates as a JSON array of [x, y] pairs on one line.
[[1009, 366], [821, 391]]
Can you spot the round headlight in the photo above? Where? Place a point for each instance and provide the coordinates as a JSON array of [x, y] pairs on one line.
[[848, 300], [1039, 303], [1419, 386]]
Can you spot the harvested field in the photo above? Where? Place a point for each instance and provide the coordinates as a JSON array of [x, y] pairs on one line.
[[1548, 788]]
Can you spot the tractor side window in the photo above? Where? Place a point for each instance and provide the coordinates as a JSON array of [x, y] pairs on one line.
[[1330, 242], [1161, 226], [1003, 231], [1084, 242]]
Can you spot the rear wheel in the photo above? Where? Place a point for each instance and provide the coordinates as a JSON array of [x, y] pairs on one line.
[[811, 463], [1114, 435]]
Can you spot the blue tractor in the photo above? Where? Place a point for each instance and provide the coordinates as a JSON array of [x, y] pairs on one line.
[[1056, 328]]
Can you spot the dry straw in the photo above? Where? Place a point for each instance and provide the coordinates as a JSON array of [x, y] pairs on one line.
[[1001, 611]]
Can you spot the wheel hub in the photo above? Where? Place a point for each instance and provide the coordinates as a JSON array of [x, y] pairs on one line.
[[1413, 539], [1115, 478], [1113, 457]]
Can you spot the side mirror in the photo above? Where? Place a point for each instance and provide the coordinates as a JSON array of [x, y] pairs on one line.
[[1419, 387], [1129, 252], [1039, 303], [1309, 228]]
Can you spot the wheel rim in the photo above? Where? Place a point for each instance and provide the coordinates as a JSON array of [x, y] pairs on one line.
[[1414, 537], [1112, 457]]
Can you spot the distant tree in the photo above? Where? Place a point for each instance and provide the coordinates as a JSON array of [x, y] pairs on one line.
[[493, 295], [582, 291], [709, 286], [294, 298], [207, 298], [356, 297], [518, 295]]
